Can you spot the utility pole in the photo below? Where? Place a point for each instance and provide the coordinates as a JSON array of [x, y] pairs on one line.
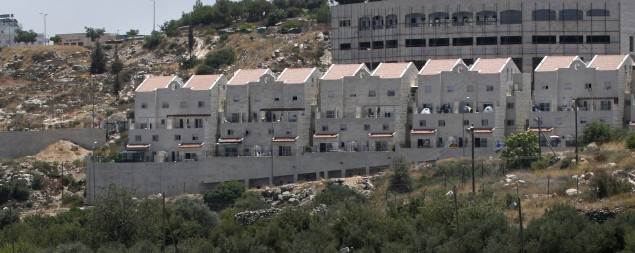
[[575, 108], [463, 123], [272, 136], [471, 131], [539, 121], [154, 14], [520, 218], [456, 209], [45, 36]]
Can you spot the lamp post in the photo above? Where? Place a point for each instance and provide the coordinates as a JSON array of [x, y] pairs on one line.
[[463, 123], [45, 36], [154, 14], [539, 121], [272, 136], [575, 108], [471, 131]]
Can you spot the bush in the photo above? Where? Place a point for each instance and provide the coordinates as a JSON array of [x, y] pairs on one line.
[[336, 194], [5, 193], [540, 164], [598, 132], [220, 58], [20, 190], [565, 163], [8, 217], [224, 195], [607, 185], [251, 201], [37, 183], [400, 181], [72, 200], [630, 141], [205, 70], [276, 16], [154, 40]]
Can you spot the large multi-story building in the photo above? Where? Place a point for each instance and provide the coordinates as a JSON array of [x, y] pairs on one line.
[[601, 89], [8, 27], [526, 31]]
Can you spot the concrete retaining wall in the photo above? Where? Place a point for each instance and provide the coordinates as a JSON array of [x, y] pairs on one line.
[[19, 144]]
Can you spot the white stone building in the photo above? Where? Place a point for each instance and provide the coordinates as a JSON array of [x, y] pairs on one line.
[[525, 30], [175, 121], [80, 39]]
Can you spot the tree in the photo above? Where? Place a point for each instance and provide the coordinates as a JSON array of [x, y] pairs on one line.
[[521, 149], [154, 40], [98, 60], [56, 39], [598, 132], [115, 69], [132, 33], [401, 181], [205, 70], [190, 39], [276, 16], [22, 36], [171, 28], [94, 33], [220, 58], [349, 1], [224, 195]]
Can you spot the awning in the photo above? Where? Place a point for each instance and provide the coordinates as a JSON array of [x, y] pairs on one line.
[[190, 145], [137, 147], [381, 135], [542, 129], [230, 140], [632, 124], [423, 131], [483, 130], [284, 139], [325, 136], [188, 115]]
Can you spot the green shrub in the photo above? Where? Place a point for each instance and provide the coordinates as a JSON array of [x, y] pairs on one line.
[[607, 185], [540, 164], [5, 193], [154, 40], [72, 200], [8, 217], [565, 163], [205, 70], [630, 141], [400, 181], [67, 180], [337, 194], [220, 58], [20, 190], [251, 201], [37, 183], [598, 132], [224, 195]]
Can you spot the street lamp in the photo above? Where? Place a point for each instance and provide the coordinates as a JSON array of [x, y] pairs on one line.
[[154, 14], [463, 109], [45, 36], [575, 108], [471, 131], [539, 121]]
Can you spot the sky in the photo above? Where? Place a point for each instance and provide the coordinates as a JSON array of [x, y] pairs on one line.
[[71, 16]]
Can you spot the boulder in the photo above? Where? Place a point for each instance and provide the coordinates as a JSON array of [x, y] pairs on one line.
[[571, 192]]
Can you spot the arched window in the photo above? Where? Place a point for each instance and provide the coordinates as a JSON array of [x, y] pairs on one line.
[[598, 13], [364, 23], [570, 14], [486, 18], [378, 22], [509, 17], [543, 15], [391, 21], [462, 18], [439, 18], [415, 19]]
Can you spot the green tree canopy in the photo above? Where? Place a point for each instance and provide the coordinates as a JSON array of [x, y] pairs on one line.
[[98, 60], [598, 132], [132, 32], [94, 33], [521, 149], [22, 36], [224, 195], [56, 39]]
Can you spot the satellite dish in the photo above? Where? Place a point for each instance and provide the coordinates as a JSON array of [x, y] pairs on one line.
[[425, 111], [488, 109]]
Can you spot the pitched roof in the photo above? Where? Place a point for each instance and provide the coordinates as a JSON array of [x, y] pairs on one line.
[[490, 66], [202, 82], [296, 76], [244, 76], [391, 70], [155, 82], [338, 71], [553, 63], [607, 62], [434, 67]]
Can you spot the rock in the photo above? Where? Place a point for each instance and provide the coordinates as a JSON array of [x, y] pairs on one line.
[[285, 196], [287, 187], [592, 147], [78, 68], [250, 217], [294, 201], [571, 192], [520, 181], [333, 181], [600, 216], [321, 209]]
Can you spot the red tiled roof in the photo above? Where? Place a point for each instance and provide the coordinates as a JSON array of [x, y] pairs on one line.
[[244, 76], [137, 146], [295, 76], [155, 82], [230, 140], [423, 131], [543, 129], [284, 139], [434, 67], [381, 135], [490, 66], [338, 71], [202, 82], [324, 136], [553, 63], [391, 70], [190, 145], [607, 62]]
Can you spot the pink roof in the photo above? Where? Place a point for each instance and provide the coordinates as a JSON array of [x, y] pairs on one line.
[[338, 71], [391, 70], [490, 66], [553, 63], [202, 82], [155, 82], [607, 62], [296, 76], [434, 67], [244, 76]]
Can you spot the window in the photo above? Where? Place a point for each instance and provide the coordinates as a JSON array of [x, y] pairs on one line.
[[607, 85], [588, 86], [385, 127], [330, 114], [364, 45], [343, 127], [598, 39], [422, 123], [143, 126], [177, 137], [415, 42], [470, 88], [345, 46], [391, 44], [583, 120], [439, 18], [378, 22], [480, 142], [294, 98], [543, 39], [195, 137], [276, 98], [390, 93], [441, 122], [511, 40], [391, 21], [415, 19], [378, 44], [509, 17], [487, 40], [371, 93], [137, 138], [233, 117], [325, 127], [464, 41], [144, 105], [230, 132], [450, 88], [427, 89], [543, 15], [236, 98], [486, 18], [364, 23], [201, 104], [489, 88], [484, 122], [598, 13], [466, 122], [545, 107], [571, 39], [345, 23], [183, 104], [510, 122], [366, 127], [510, 105], [570, 14], [462, 18], [165, 105], [605, 105], [284, 150], [439, 42], [567, 86], [198, 123], [155, 137], [331, 94], [162, 121]]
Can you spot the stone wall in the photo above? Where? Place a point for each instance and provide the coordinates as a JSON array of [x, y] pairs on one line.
[[19, 144]]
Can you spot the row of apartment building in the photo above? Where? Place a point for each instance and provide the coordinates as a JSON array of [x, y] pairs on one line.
[[350, 108]]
